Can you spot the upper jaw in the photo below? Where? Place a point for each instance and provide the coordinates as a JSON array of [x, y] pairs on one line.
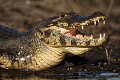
[[80, 39], [94, 19], [82, 22]]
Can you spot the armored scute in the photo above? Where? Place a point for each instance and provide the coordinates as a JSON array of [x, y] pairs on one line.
[[46, 44]]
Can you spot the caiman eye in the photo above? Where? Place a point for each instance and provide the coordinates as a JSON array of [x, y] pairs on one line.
[[63, 14]]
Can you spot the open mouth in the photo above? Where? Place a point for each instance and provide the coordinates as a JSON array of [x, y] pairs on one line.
[[70, 28], [73, 31]]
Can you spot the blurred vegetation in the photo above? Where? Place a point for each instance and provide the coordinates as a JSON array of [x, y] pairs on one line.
[[21, 13]]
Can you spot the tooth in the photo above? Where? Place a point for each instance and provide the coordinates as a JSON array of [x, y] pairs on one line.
[[104, 35], [103, 22], [91, 36], [94, 22], [82, 27], [98, 20], [100, 35]]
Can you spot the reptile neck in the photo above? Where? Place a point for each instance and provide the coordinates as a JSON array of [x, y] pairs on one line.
[[42, 56], [31, 53]]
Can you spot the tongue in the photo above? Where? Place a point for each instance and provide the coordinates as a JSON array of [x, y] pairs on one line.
[[72, 32]]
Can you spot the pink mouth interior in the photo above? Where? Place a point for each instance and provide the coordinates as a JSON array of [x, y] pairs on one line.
[[70, 32], [73, 33]]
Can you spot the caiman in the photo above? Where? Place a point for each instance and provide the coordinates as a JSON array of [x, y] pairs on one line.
[[48, 41]]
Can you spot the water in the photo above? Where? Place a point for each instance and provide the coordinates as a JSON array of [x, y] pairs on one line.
[[63, 75]]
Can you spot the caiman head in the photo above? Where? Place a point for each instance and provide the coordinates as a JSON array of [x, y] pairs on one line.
[[63, 32]]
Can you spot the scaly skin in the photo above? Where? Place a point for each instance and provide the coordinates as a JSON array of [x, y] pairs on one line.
[[47, 43]]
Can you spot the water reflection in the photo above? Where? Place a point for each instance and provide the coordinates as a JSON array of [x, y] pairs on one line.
[[46, 75]]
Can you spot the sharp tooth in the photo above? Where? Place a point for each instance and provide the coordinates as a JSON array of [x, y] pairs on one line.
[[82, 27], [104, 35], [94, 22], [100, 35], [98, 20], [103, 22], [91, 36]]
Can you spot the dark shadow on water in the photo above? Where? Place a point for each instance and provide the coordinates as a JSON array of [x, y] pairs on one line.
[[57, 74]]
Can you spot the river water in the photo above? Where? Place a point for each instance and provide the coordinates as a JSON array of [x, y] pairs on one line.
[[66, 75]]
